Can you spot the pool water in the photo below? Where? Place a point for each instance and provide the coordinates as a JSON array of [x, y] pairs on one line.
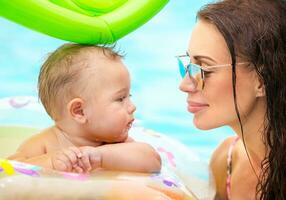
[[150, 59]]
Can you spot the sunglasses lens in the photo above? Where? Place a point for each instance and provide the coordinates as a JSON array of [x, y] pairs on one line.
[[194, 70], [181, 68]]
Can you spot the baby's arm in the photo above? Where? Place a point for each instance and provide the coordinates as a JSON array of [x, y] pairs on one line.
[[130, 156], [33, 151], [68, 159]]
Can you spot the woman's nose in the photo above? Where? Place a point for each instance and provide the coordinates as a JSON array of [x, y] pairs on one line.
[[188, 84]]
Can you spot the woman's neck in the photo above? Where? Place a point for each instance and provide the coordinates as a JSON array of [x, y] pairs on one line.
[[253, 133]]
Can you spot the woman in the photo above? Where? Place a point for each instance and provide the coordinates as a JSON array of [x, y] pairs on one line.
[[235, 76]]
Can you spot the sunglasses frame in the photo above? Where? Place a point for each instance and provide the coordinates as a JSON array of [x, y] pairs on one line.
[[187, 67]]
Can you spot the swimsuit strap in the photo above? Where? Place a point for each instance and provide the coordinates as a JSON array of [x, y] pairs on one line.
[[229, 166]]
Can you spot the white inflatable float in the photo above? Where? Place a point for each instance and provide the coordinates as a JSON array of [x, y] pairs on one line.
[[183, 175]]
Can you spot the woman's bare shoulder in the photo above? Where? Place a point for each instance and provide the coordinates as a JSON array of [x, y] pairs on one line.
[[218, 165], [220, 153]]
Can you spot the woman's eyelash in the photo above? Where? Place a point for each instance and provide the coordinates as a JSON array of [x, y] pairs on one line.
[[207, 72]]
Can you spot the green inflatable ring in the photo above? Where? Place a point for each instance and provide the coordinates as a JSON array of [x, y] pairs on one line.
[[82, 21]]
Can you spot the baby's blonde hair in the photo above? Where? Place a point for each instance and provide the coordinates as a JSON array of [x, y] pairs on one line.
[[61, 71]]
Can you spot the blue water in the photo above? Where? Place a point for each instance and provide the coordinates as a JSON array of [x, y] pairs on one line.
[[150, 59]]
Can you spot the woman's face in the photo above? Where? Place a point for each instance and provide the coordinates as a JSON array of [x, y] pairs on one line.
[[213, 106]]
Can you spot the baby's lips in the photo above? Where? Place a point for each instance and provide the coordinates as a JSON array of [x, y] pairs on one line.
[[131, 122]]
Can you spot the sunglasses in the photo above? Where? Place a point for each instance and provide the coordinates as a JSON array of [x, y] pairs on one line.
[[195, 70]]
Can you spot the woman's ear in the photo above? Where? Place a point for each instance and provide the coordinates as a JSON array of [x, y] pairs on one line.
[[259, 87], [75, 110]]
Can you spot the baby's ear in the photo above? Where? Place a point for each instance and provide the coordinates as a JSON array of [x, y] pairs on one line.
[[75, 110]]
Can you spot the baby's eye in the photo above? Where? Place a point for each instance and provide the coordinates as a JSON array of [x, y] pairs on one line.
[[121, 99]]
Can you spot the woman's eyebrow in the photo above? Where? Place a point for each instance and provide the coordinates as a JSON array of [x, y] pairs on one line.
[[202, 57]]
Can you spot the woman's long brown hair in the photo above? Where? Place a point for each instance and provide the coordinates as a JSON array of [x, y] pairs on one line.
[[256, 31]]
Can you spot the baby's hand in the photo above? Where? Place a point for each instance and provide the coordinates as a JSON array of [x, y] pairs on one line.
[[91, 158], [68, 160]]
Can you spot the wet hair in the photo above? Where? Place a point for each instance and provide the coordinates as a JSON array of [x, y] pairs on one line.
[[256, 31], [61, 74]]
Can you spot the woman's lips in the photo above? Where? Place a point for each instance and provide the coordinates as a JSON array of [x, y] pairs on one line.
[[195, 107]]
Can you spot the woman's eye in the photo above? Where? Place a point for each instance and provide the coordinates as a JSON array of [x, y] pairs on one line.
[[207, 73]]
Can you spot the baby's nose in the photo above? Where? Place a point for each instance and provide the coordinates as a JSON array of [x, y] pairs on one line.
[[131, 107]]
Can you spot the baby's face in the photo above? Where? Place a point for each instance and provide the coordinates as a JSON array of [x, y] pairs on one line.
[[110, 110]]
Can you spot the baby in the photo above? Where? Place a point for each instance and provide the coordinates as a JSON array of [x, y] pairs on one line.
[[86, 91]]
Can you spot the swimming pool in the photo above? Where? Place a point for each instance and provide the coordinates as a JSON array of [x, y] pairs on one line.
[[150, 59]]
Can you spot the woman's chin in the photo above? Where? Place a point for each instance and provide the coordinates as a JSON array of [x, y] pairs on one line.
[[203, 125], [204, 128]]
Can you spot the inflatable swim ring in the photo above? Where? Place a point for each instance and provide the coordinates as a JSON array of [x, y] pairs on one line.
[[82, 21], [34, 182], [179, 179]]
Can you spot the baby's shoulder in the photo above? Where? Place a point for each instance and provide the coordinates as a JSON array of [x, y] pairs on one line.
[[38, 142], [42, 136]]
